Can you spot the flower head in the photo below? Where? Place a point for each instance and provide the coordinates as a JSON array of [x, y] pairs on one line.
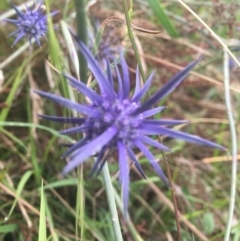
[[109, 44], [32, 23], [114, 120]]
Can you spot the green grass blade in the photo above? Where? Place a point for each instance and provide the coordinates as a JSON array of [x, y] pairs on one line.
[[22, 124], [135, 235], [54, 235], [20, 188], [97, 40], [162, 18], [61, 183], [80, 206], [8, 228], [81, 22], [42, 234], [112, 202], [70, 46], [55, 53], [15, 139], [12, 93]]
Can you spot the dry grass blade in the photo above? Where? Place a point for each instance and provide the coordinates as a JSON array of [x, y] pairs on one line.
[[183, 220], [20, 200], [219, 159], [178, 67]]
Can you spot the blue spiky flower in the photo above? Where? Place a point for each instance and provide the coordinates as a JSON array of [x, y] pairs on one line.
[[31, 24], [117, 121]]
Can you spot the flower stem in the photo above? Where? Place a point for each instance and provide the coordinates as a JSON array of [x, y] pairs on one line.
[[81, 21], [82, 35], [80, 205], [111, 203], [130, 33], [173, 196], [129, 223], [234, 145]]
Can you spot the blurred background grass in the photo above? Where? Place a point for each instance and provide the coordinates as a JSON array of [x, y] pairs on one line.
[[30, 151]]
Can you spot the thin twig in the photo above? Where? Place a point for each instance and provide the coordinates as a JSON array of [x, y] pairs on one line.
[[210, 30], [21, 206], [123, 21], [20, 200], [173, 196]]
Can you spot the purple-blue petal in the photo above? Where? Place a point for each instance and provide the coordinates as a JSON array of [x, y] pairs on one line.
[[135, 161], [37, 40], [101, 166], [123, 174], [87, 110], [109, 74], [13, 21], [99, 160], [91, 148], [68, 145], [81, 87], [138, 84], [168, 87], [71, 120], [152, 112], [17, 32], [19, 36], [152, 142], [120, 83], [104, 85], [165, 122], [76, 129], [145, 88], [152, 160], [19, 13], [157, 130], [76, 146], [30, 11], [125, 76], [52, 14]]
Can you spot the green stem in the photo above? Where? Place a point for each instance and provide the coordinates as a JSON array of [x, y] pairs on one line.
[[80, 206], [234, 145], [30, 125], [97, 40], [82, 35], [134, 45], [131, 228], [111, 202], [81, 22]]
